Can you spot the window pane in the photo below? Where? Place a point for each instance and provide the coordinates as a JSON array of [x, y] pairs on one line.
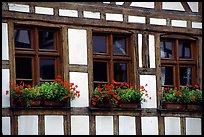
[[47, 68], [167, 75], [119, 46], [166, 49], [99, 43], [120, 72], [184, 49], [185, 75], [25, 82], [46, 40], [100, 71], [22, 38], [24, 68]]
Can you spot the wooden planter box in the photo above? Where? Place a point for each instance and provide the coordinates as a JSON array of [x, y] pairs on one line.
[[174, 106], [36, 103], [130, 105], [193, 107], [53, 103]]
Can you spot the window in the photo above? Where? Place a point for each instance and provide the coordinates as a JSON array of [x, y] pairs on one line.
[[178, 62], [37, 54], [111, 58]]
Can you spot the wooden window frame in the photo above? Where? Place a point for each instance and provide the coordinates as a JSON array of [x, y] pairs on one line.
[[36, 53], [111, 59], [177, 62]]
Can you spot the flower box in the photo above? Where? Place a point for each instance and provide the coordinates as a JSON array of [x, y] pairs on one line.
[[114, 93], [53, 103], [36, 103], [193, 107], [130, 105], [174, 106]]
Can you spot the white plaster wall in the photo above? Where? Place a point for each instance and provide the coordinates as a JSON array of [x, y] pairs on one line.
[[172, 6], [104, 125], [79, 125], [69, 13], [18, 7], [193, 6], [44, 10], [172, 126], [143, 4], [80, 79], [197, 25], [193, 126], [5, 48], [6, 126], [149, 125], [28, 125], [77, 39], [140, 49], [54, 125], [150, 80], [93, 15], [179, 23], [5, 86], [114, 17], [136, 19], [157, 21], [127, 125], [119, 3], [152, 51]]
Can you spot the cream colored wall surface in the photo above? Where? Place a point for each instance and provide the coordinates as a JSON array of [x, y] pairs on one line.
[[150, 80], [54, 125], [5, 86], [80, 79], [149, 125], [193, 126], [127, 125], [6, 126], [77, 39], [79, 125], [5, 48], [172, 126], [104, 125], [27, 125], [152, 51], [18, 7]]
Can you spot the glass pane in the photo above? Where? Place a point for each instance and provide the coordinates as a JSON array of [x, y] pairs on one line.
[[166, 49], [24, 68], [99, 43], [120, 72], [185, 75], [46, 40], [167, 75], [47, 68], [100, 71], [22, 38], [184, 49], [119, 45]]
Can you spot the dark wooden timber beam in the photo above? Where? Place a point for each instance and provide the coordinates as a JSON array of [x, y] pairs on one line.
[[186, 6]]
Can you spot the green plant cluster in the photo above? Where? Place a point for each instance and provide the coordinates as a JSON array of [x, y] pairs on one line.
[[184, 94]]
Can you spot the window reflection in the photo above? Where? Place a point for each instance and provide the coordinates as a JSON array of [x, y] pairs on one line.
[[166, 49], [22, 38], [184, 49], [100, 71], [119, 46], [47, 68], [185, 75], [120, 72], [167, 75], [99, 43], [46, 40]]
